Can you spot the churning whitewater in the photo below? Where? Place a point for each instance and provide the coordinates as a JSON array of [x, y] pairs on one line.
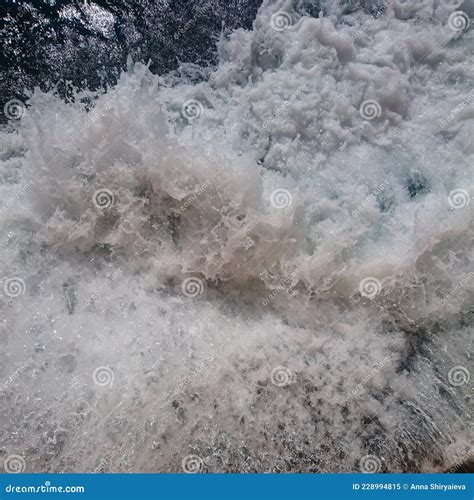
[[264, 265]]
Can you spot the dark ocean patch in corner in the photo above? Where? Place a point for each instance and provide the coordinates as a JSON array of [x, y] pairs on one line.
[[87, 43]]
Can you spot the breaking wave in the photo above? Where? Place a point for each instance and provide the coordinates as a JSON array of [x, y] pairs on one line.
[[267, 270]]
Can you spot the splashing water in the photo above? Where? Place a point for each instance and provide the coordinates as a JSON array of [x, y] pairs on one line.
[[268, 270]]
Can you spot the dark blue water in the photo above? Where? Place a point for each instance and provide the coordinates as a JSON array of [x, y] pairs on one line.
[[64, 43], [57, 43]]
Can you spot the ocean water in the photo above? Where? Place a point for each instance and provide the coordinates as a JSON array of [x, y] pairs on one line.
[[260, 265]]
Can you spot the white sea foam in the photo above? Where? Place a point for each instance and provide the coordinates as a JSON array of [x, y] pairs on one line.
[[191, 255]]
